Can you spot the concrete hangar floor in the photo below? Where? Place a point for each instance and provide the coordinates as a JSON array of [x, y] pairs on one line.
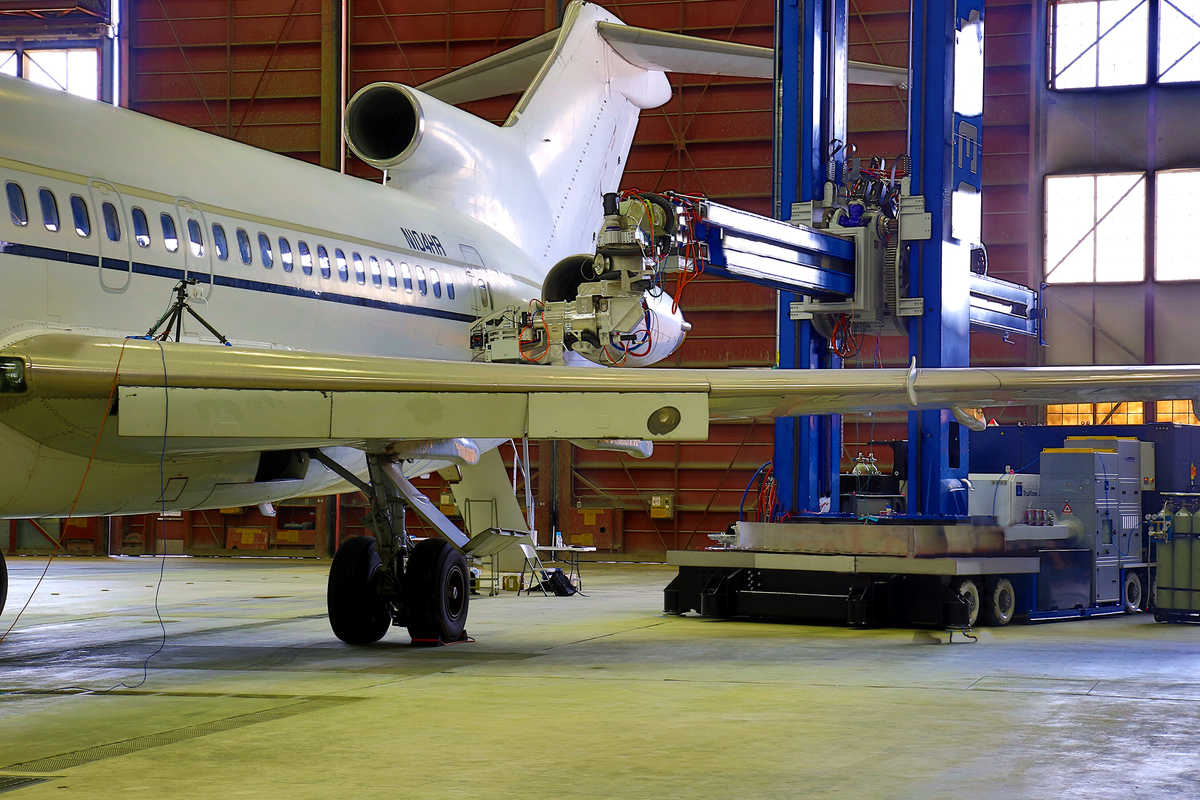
[[581, 697]]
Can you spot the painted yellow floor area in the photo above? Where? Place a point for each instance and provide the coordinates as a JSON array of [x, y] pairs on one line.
[[582, 697]]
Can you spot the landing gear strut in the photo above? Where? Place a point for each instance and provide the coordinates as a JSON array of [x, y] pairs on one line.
[[3, 583], [387, 580]]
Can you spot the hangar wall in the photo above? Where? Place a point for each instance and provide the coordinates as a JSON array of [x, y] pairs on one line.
[[264, 72]]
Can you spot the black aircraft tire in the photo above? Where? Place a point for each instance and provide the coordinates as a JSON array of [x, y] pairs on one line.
[[3, 583], [437, 591], [357, 614], [998, 602]]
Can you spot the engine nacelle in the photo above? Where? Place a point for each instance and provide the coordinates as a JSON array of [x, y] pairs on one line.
[[392, 126]]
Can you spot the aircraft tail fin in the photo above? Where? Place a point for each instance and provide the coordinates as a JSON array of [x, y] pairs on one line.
[[584, 86]]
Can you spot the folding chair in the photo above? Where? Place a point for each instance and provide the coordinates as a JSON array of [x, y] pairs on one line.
[[536, 568]]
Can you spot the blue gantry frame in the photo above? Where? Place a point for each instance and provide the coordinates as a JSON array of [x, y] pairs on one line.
[[945, 147]]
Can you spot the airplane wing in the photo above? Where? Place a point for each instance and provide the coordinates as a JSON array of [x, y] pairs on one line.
[[512, 70], [283, 398]]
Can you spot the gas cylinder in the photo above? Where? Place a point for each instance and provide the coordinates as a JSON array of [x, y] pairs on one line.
[[1181, 522]]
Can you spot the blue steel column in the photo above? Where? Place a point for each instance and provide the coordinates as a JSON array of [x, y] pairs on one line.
[[810, 36], [944, 147]]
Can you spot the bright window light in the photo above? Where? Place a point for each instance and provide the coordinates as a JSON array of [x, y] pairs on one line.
[[1178, 40], [1096, 414], [8, 63], [1176, 220], [1095, 228], [1099, 43], [76, 71], [1177, 411]]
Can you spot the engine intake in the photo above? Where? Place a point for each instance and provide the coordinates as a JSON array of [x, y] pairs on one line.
[[384, 123]]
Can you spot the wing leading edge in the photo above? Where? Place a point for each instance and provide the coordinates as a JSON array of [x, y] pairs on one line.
[[235, 393]]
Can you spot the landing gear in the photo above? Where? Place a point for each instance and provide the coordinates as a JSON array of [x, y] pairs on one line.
[[376, 582], [358, 612], [3, 583], [438, 592]]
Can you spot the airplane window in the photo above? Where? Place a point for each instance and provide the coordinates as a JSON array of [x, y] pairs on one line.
[[83, 223], [264, 248], [220, 242], [390, 269], [141, 227], [360, 274], [112, 223], [450, 290], [16, 204], [244, 246], [323, 259], [49, 209], [343, 272], [406, 273], [196, 237], [305, 257], [170, 237], [285, 254], [436, 280], [422, 286], [376, 277]]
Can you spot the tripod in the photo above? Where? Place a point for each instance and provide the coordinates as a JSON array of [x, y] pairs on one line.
[[173, 316]]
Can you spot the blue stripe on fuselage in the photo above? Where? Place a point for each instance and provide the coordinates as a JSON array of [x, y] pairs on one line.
[[142, 268]]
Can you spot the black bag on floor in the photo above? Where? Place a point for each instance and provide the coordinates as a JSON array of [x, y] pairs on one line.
[[553, 580]]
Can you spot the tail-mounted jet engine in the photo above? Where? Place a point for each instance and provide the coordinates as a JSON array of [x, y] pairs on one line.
[[613, 307]]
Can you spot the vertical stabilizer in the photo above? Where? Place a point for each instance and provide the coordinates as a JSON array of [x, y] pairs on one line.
[[576, 122]]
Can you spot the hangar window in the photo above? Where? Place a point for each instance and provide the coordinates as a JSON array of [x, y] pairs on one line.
[[141, 227], [83, 222], [170, 236], [49, 209], [8, 63], [285, 255], [264, 250], [390, 269], [360, 272], [422, 286], [244, 248], [323, 260], [376, 275], [1178, 411], [436, 280], [1178, 41], [343, 270], [1098, 43], [112, 222], [406, 274], [1176, 220], [1096, 414], [1095, 44], [220, 242], [195, 238], [1095, 228], [75, 70], [305, 257], [16, 204]]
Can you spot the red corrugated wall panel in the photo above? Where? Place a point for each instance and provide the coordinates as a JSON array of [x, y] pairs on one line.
[[250, 71]]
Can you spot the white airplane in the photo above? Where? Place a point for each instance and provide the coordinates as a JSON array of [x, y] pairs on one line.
[[350, 306]]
